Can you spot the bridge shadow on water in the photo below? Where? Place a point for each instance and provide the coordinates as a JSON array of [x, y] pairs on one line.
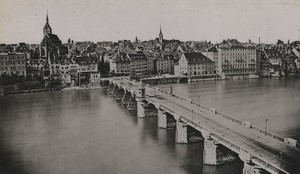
[[188, 157]]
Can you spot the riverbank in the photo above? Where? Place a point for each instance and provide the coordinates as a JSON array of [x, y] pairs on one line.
[[23, 91], [23, 87], [81, 88]]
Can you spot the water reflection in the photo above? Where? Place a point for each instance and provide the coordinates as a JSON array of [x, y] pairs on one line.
[[88, 132]]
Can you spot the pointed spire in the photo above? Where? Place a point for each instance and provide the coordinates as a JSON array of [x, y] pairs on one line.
[[160, 32], [47, 19], [47, 28]]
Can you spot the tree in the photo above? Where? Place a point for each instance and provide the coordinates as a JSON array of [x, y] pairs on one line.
[[103, 66]]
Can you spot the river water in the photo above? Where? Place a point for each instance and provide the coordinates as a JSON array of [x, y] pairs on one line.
[[89, 132]]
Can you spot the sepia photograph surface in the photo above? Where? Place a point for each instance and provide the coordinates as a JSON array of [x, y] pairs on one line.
[[149, 87]]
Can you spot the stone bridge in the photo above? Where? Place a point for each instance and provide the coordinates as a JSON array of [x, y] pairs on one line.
[[225, 138]]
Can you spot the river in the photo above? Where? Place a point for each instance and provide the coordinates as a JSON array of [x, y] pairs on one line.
[[254, 100], [84, 131]]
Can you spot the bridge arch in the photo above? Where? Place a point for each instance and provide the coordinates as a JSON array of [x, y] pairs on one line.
[[183, 80]]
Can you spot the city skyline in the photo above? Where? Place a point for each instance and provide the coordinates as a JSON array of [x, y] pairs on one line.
[[112, 20]]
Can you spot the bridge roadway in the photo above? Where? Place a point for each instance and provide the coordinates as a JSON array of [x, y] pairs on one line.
[[261, 147]]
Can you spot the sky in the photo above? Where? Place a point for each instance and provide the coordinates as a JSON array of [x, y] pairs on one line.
[[113, 20]]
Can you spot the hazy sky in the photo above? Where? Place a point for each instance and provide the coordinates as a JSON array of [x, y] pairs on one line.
[[98, 20]]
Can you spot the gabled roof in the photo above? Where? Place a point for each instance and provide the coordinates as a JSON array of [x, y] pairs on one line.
[[138, 56], [212, 49], [120, 58], [197, 58], [54, 38], [169, 57], [51, 40], [80, 60]]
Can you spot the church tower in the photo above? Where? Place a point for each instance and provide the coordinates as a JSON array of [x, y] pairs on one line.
[[47, 28], [161, 37]]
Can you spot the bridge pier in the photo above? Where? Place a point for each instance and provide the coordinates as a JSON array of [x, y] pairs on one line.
[[140, 109], [250, 168], [139, 100], [181, 132], [162, 119], [210, 152], [212, 155]]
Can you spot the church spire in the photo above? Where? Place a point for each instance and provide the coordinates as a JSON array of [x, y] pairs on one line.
[[161, 37], [47, 19], [160, 32], [47, 29]]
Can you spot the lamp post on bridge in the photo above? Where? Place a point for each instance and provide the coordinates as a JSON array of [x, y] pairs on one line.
[[266, 126], [193, 116]]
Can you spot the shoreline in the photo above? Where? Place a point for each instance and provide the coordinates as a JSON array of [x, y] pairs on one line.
[[2, 93], [23, 91]]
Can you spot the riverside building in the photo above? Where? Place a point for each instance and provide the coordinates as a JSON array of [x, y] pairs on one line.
[[236, 60], [192, 64], [13, 64]]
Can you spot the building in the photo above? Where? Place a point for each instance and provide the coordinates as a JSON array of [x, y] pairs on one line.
[[192, 64], [138, 64], [164, 64], [236, 61], [13, 64], [213, 54], [88, 70], [151, 66], [264, 63], [51, 49], [176, 68], [120, 64], [274, 57]]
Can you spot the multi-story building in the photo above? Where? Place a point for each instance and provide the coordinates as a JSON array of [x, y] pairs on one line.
[[88, 69], [264, 63], [138, 64], [235, 61], [195, 64], [64, 73], [151, 66], [164, 64], [274, 57], [120, 64], [213, 54], [13, 64]]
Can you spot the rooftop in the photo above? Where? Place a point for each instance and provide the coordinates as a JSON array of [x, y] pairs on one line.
[[197, 58]]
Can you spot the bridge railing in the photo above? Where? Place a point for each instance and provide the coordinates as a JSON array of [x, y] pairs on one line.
[[262, 131], [253, 127], [267, 133], [229, 118]]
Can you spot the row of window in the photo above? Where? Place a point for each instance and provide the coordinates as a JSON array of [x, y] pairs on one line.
[[13, 72], [12, 62], [12, 58], [238, 71]]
